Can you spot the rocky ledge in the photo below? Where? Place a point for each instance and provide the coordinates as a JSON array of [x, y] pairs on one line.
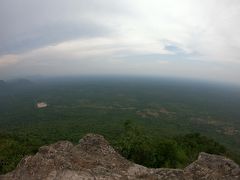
[[94, 158]]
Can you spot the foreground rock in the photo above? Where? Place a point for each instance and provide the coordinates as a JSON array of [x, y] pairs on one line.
[[94, 158]]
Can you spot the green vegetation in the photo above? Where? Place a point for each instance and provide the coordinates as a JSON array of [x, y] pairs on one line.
[[171, 112], [172, 152], [12, 150], [134, 144]]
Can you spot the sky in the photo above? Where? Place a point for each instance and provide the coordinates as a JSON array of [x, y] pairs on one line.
[[188, 38]]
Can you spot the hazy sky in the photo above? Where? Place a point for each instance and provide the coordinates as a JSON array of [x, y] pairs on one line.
[[183, 38]]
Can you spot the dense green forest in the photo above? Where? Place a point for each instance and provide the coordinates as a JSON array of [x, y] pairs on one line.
[[172, 152], [180, 118]]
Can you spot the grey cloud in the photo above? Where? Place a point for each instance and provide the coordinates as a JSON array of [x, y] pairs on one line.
[[27, 24], [51, 34]]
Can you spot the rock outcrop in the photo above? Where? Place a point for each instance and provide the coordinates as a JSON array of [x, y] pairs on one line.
[[94, 158]]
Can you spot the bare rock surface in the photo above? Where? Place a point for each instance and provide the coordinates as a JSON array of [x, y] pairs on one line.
[[93, 158]]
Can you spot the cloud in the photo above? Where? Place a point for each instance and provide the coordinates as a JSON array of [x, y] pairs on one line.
[[86, 49], [181, 38], [26, 24], [7, 60]]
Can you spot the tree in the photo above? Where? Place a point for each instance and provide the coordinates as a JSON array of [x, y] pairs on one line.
[[135, 145]]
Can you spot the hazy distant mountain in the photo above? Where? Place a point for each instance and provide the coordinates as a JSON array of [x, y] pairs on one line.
[[15, 84], [20, 82], [2, 83]]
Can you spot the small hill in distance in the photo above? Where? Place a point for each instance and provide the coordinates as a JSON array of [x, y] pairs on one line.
[[20, 82], [15, 83], [2, 83]]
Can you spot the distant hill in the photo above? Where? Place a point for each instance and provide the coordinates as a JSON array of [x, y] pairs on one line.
[[2, 83], [15, 84], [20, 82]]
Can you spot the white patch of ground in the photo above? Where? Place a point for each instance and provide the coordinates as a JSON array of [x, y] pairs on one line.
[[41, 105]]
